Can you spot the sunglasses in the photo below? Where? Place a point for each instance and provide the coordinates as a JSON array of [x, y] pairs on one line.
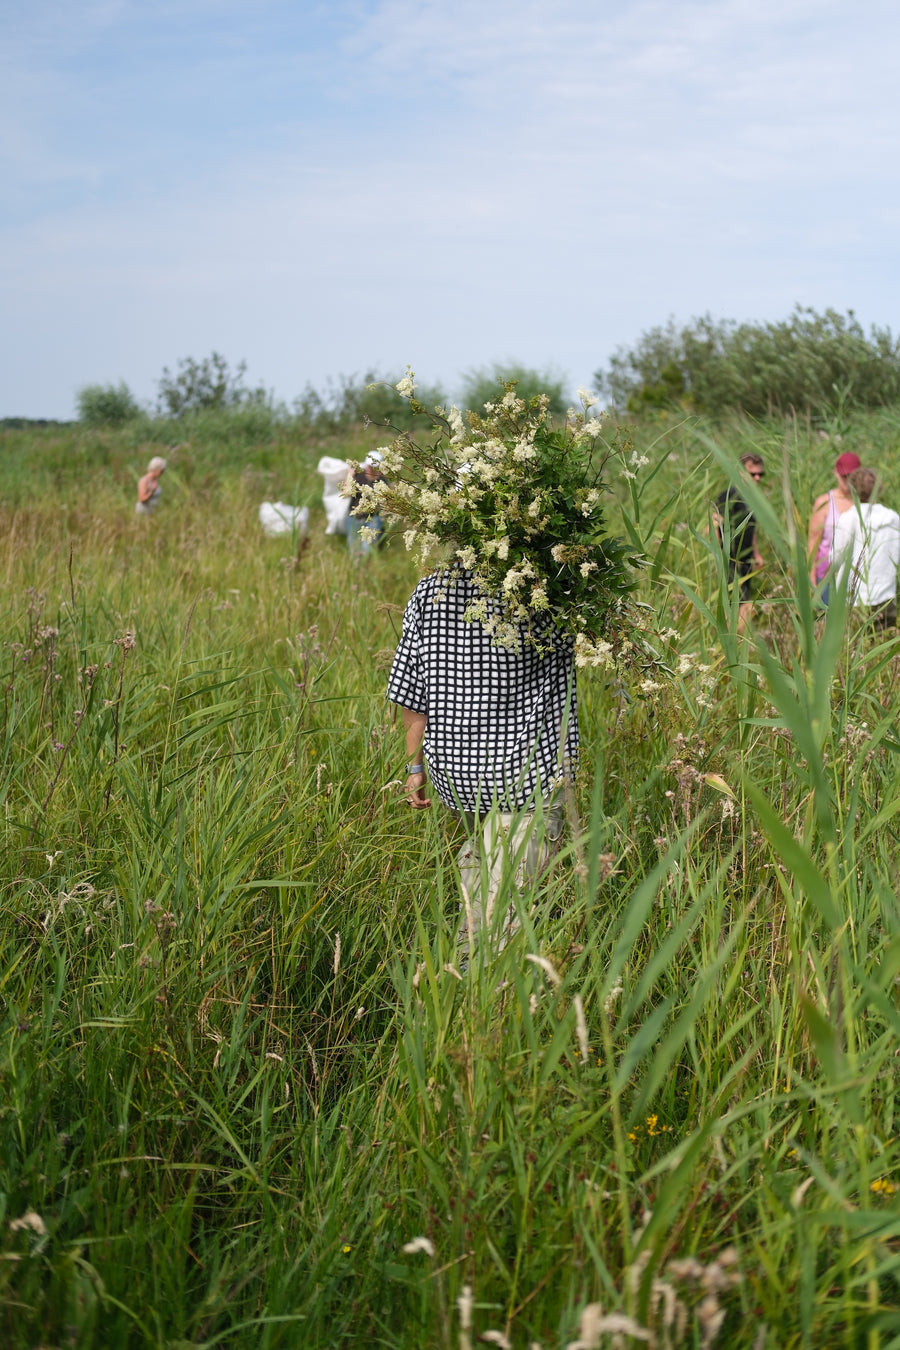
[[757, 473]]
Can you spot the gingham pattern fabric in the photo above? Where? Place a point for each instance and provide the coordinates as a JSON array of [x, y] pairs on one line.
[[495, 718]]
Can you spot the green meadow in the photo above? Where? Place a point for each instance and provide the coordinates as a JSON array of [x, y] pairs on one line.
[[247, 1098]]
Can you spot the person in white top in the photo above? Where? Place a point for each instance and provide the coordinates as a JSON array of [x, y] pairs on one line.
[[867, 541]]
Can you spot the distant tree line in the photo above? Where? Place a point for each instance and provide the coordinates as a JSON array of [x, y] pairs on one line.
[[820, 364], [211, 385]]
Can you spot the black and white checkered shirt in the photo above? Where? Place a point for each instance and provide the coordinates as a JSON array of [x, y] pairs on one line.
[[496, 718]]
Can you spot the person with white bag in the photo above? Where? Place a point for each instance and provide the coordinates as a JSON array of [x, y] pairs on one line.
[[363, 532], [334, 472]]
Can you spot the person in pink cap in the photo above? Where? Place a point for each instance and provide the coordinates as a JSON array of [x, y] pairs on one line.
[[826, 512]]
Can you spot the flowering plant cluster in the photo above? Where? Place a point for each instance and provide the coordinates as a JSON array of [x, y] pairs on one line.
[[519, 505]]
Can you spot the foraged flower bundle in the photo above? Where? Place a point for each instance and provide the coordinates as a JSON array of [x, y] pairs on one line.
[[518, 504]]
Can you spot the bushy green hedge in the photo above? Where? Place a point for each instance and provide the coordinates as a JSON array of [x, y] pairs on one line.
[[106, 405], [821, 364]]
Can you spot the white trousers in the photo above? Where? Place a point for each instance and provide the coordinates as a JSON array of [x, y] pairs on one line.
[[511, 847]]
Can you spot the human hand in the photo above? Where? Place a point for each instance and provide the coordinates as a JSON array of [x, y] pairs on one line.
[[415, 791]]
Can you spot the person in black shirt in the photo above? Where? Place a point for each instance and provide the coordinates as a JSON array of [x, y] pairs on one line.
[[736, 531]]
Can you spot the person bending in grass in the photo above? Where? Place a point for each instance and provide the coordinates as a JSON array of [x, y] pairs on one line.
[[149, 490], [497, 730]]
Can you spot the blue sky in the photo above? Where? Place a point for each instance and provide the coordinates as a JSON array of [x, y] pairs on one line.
[[325, 188]]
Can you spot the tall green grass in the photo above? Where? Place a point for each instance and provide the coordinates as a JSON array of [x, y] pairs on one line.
[[240, 1068]]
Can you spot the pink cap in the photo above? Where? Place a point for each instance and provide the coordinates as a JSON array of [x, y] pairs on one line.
[[846, 463]]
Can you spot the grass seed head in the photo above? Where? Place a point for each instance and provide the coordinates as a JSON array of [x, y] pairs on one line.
[[418, 1244], [547, 967], [30, 1222]]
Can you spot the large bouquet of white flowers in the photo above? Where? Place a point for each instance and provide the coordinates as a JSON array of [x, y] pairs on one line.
[[518, 504]]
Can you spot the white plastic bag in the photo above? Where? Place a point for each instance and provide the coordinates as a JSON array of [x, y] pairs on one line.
[[279, 518], [334, 471]]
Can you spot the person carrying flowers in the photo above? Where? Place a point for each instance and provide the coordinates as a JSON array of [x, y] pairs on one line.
[[524, 585]]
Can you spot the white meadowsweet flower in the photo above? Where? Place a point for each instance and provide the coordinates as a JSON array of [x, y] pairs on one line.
[[638, 461], [391, 459], [487, 471], [524, 451], [410, 537], [507, 635], [428, 542], [539, 598], [513, 580], [457, 426], [467, 557], [649, 686], [503, 548], [590, 501], [407, 386], [476, 613], [587, 568], [589, 653], [587, 398]]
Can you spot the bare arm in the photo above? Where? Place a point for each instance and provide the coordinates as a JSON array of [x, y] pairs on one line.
[[816, 530], [415, 724]]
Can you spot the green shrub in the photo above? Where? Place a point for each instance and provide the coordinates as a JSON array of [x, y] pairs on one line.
[[352, 401], [199, 386], [106, 405], [821, 364]]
